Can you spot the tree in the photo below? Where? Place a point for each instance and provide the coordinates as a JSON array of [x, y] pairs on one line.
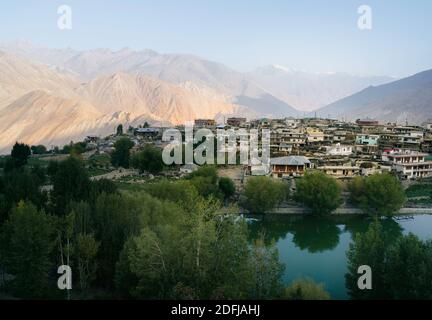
[[267, 271], [86, 249], [119, 130], [70, 183], [20, 185], [149, 159], [226, 185], [78, 148], [196, 254], [205, 181], [27, 241], [356, 190], [4, 207], [306, 289], [20, 153], [52, 168], [401, 268], [121, 155], [39, 149], [100, 186], [380, 194], [319, 192], [38, 171], [115, 219], [408, 272], [205, 171], [182, 192], [263, 194], [368, 249]]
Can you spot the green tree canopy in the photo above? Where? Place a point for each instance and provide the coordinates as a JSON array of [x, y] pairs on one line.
[[121, 155], [408, 272], [380, 194], [267, 271], [400, 268], [226, 185], [198, 255], [27, 242], [306, 289], [23, 184], [149, 159], [263, 194], [182, 192], [39, 149], [318, 192], [70, 183], [119, 130], [205, 180], [20, 153]]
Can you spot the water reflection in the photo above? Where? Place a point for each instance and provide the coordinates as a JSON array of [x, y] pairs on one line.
[[314, 234], [318, 234], [392, 230], [316, 247]]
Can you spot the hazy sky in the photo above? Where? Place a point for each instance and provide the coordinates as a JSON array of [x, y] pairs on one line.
[[302, 34]]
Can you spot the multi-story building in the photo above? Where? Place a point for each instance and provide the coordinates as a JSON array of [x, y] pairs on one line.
[[426, 145], [314, 135], [236, 121], [367, 122], [367, 139], [292, 122], [339, 150], [205, 122], [283, 167], [340, 171], [294, 137], [366, 143], [147, 133], [409, 164]]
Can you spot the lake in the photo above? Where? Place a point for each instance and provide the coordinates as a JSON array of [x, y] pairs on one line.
[[316, 247]]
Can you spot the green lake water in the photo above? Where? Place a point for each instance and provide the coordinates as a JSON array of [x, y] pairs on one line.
[[316, 247]]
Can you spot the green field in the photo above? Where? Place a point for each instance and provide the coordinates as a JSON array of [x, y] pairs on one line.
[[419, 193]]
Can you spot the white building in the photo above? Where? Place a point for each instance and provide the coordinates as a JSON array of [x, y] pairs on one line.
[[339, 150], [292, 122], [409, 164], [314, 135]]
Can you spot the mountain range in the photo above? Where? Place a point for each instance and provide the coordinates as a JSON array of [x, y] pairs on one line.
[[310, 91], [53, 96], [406, 100], [269, 91], [38, 104]]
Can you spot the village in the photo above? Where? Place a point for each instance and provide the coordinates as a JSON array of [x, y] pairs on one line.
[[340, 149]]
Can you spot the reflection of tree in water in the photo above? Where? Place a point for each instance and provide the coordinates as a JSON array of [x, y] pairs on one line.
[[315, 234], [318, 234], [272, 229], [392, 230]]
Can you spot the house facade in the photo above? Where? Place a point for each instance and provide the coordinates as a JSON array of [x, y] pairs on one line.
[[283, 167], [341, 171], [409, 164], [339, 150]]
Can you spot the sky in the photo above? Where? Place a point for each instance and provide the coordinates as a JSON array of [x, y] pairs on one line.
[[315, 36]]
